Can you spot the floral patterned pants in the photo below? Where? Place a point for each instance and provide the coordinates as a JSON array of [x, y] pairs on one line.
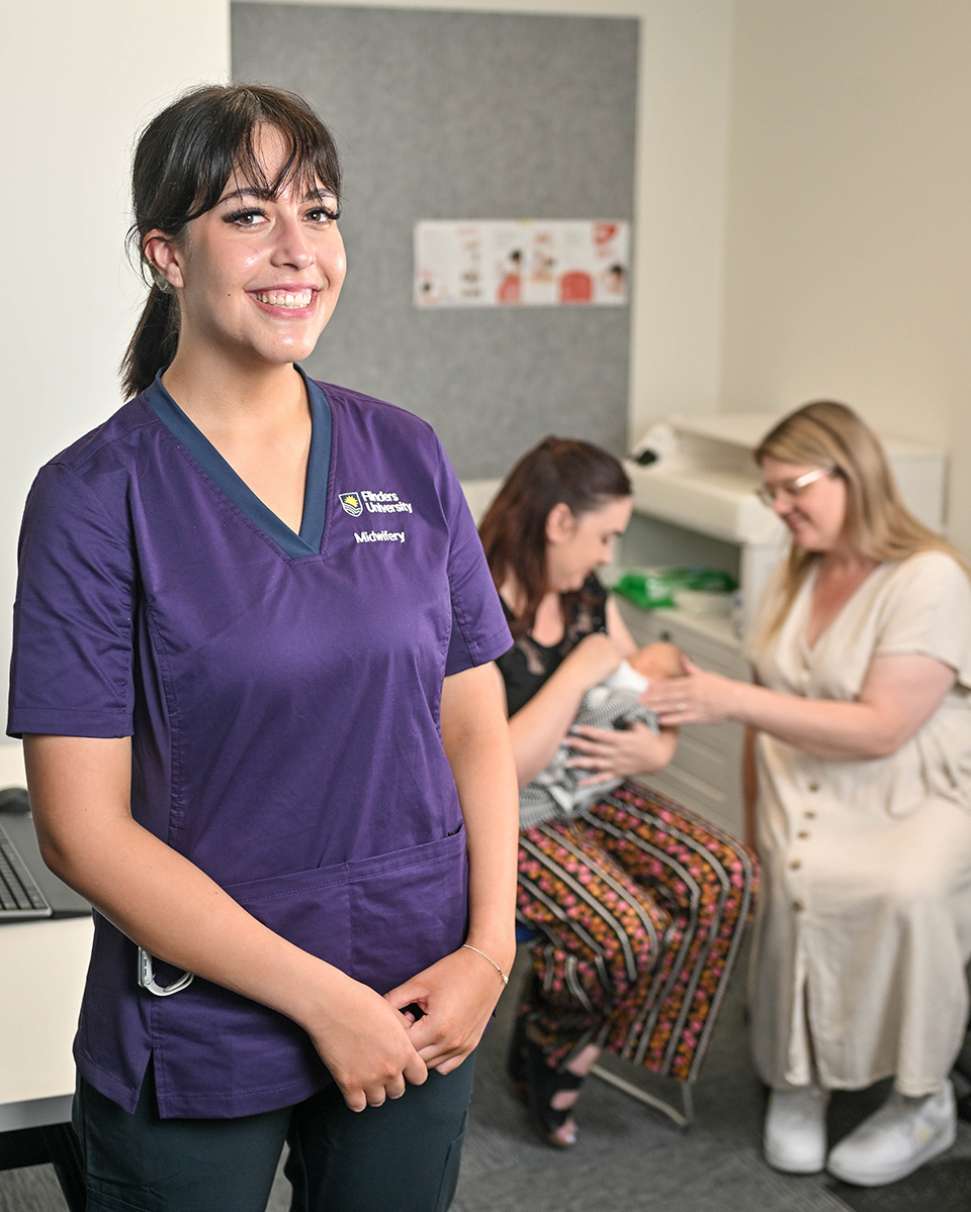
[[641, 907]]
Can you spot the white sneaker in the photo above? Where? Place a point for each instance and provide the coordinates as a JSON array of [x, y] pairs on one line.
[[794, 1139], [896, 1140]]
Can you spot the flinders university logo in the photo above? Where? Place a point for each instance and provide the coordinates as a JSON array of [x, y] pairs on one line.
[[351, 501], [355, 503]]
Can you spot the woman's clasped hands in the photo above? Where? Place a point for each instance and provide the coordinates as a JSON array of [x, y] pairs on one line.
[[366, 1046], [456, 996], [374, 1046]]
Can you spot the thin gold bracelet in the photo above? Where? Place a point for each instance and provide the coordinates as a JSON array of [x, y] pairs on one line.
[[489, 960]]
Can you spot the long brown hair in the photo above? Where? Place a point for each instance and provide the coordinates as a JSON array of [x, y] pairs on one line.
[[183, 160], [513, 531], [878, 526]]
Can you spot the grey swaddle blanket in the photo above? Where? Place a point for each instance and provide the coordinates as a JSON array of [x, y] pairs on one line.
[[555, 791]]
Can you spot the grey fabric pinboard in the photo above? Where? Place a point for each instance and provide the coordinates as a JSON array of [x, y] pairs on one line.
[[460, 115]]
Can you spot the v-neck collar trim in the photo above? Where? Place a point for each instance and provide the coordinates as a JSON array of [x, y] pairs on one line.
[[185, 431], [807, 604]]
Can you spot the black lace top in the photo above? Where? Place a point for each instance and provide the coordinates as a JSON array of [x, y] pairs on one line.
[[528, 664]]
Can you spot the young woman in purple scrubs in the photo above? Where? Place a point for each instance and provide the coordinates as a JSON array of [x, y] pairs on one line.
[[252, 668]]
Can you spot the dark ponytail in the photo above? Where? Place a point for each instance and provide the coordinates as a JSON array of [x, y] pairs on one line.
[[153, 342], [183, 160]]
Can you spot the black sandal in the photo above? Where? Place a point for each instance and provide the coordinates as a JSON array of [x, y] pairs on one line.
[[543, 1083]]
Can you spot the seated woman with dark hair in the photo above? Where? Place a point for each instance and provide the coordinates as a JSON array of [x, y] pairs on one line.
[[640, 904]]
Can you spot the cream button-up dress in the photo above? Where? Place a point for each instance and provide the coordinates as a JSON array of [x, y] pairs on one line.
[[865, 923]]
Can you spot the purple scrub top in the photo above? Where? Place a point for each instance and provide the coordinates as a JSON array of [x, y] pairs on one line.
[[282, 692]]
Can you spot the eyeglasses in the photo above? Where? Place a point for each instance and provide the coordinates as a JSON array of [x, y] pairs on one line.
[[767, 493]]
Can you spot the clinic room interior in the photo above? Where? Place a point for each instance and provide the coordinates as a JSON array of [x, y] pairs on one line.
[[786, 192]]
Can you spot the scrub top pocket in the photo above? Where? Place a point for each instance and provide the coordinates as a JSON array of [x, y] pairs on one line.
[[409, 908], [205, 1032]]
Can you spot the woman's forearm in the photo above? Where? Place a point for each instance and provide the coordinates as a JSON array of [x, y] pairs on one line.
[[476, 738], [486, 781], [822, 727], [538, 729], [177, 913], [161, 901], [900, 693]]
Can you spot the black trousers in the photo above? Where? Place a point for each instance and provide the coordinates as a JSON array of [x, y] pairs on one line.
[[402, 1156]]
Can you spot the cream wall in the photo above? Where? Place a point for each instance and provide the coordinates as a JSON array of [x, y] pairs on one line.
[[76, 82], [848, 239]]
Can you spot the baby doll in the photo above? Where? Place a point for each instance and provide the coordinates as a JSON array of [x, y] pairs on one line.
[[614, 703]]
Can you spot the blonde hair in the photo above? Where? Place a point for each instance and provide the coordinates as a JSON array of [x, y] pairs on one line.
[[877, 526]]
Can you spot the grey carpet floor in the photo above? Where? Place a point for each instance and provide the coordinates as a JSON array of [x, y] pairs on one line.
[[630, 1158]]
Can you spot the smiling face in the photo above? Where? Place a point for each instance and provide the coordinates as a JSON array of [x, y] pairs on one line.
[[815, 514], [257, 277], [576, 545]]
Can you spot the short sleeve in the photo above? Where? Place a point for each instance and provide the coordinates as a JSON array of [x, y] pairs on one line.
[[71, 668], [927, 610], [479, 629]]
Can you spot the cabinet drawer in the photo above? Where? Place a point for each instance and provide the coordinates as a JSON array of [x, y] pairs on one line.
[[710, 654], [711, 751]]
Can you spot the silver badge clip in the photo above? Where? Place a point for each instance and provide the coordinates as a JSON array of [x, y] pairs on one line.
[[146, 977]]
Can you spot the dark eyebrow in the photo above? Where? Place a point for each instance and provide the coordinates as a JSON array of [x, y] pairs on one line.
[[267, 195]]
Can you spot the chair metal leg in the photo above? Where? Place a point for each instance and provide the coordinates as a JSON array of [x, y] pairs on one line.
[[682, 1117]]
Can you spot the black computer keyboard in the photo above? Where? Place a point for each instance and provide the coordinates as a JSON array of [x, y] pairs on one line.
[[20, 898]]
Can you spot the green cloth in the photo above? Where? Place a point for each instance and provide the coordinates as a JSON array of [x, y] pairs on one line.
[[654, 588]]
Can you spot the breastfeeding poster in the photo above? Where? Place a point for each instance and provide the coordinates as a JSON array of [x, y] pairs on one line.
[[521, 263]]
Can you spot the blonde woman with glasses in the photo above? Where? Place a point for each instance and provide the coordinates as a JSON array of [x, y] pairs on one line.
[[858, 780]]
